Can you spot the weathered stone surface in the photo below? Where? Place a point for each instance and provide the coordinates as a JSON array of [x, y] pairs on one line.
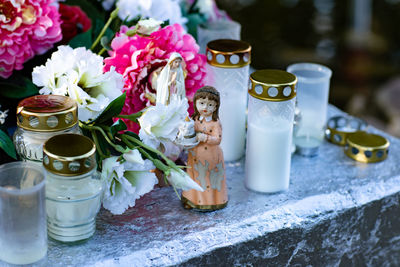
[[336, 212]]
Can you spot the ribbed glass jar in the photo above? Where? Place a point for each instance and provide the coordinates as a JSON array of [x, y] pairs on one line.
[[228, 64], [73, 187], [39, 118], [269, 131]]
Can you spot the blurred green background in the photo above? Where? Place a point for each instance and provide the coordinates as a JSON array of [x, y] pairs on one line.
[[358, 39]]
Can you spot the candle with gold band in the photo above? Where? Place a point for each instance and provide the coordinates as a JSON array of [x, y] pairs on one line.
[[367, 147], [41, 117], [73, 187], [340, 127], [228, 71], [272, 95]]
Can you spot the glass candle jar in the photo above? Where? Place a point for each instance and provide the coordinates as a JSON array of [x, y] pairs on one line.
[[312, 100], [73, 187], [39, 118], [228, 71], [269, 131], [23, 236]]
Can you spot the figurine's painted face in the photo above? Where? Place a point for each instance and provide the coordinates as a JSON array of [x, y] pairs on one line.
[[176, 63], [205, 106]]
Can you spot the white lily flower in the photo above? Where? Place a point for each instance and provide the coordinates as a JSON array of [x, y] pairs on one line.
[[125, 182], [182, 180], [133, 156], [78, 73], [148, 26], [161, 123]]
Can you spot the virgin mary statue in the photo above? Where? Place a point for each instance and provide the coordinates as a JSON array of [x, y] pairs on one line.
[[171, 81]]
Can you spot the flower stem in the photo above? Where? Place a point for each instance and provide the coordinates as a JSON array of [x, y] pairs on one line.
[[110, 19], [102, 51], [91, 128], [98, 148], [133, 117], [169, 162]]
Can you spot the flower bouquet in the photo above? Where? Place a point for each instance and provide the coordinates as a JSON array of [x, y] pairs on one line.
[[110, 79]]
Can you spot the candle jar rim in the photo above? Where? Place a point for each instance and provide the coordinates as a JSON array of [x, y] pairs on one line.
[[325, 72], [272, 85], [27, 166], [69, 154], [47, 113]]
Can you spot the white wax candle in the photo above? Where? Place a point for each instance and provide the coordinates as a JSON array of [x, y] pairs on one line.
[[307, 142], [232, 85], [233, 121], [268, 156], [311, 130]]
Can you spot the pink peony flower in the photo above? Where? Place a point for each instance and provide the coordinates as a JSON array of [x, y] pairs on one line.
[[27, 28], [138, 56]]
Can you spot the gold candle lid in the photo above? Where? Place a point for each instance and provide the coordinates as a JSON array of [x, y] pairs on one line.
[[366, 147], [47, 113], [272, 85], [340, 127], [69, 155], [227, 53]]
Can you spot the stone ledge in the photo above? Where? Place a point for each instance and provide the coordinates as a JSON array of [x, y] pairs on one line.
[[336, 211]]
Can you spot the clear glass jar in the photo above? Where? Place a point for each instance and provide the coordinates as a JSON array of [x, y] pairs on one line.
[[228, 71], [29, 144], [73, 187], [312, 99], [39, 118], [269, 131]]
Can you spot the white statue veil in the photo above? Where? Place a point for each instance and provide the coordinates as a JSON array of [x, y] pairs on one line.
[[163, 82]]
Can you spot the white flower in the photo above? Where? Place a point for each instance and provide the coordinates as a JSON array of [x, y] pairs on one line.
[[181, 180], [148, 26], [133, 156], [161, 123], [78, 73], [158, 9], [125, 182], [205, 7], [130, 9], [3, 116]]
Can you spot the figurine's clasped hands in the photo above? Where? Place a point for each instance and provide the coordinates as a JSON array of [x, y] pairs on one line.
[[201, 137]]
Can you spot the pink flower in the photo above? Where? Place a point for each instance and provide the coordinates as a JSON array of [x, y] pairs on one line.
[[138, 56], [27, 28]]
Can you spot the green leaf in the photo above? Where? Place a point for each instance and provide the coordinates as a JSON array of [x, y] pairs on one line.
[[98, 26], [119, 125], [133, 134], [82, 40], [17, 87], [7, 145], [112, 110], [194, 20]]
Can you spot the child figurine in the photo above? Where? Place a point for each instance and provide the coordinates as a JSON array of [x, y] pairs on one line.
[[206, 161]]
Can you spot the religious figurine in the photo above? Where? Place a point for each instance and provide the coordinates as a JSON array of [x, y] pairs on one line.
[[206, 161], [168, 81]]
